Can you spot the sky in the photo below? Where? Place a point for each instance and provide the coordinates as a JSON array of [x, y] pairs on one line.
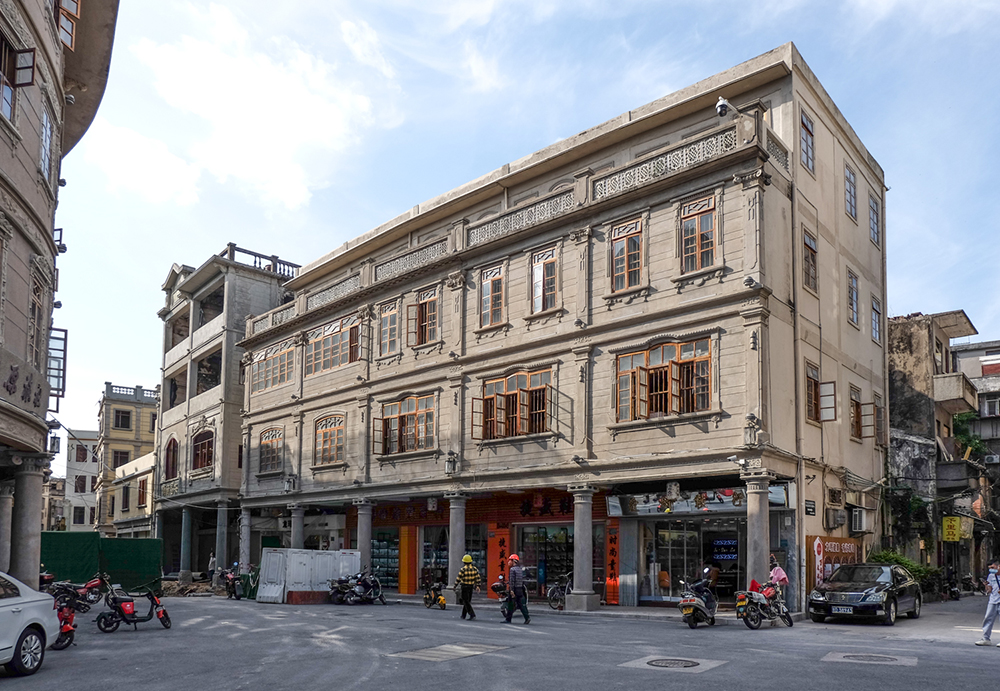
[[291, 127]]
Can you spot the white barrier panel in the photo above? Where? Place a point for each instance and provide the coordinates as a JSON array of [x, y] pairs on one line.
[[284, 570], [271, 587]]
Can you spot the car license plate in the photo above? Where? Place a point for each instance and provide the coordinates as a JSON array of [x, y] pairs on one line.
[[687, 610], [842, 610]]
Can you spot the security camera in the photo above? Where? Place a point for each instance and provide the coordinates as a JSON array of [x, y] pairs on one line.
[[722, 107], [732, 459]]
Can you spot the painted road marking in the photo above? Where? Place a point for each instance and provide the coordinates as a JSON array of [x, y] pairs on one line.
[[443, 653]]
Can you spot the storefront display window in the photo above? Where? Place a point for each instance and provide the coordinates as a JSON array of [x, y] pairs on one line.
[[385, 556], [547, 553], [677, 550], [434, 562]]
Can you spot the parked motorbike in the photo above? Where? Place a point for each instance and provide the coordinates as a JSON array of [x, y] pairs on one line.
[[45, 579], [122, 609], [952, 591], [968, 583], [231, 579], [506, 598], [433, 596], [367, 589], [340, 587], [89, 592], [67, 603], [764, 602], [698, 603], [981, 586]]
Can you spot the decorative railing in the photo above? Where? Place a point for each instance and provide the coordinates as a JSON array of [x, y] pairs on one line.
[[170, 487], [334, 292], [260, 324], [410, 261], [260, 261], [516, 220], [282, 315], [684, 156], [777, 150]]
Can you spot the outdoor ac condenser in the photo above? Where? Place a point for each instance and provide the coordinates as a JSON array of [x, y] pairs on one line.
[[836, 517]]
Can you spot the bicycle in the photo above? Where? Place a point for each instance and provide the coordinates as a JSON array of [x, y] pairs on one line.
[[557, 593]]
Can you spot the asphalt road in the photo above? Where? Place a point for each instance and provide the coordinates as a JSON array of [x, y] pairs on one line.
[[220, 644]]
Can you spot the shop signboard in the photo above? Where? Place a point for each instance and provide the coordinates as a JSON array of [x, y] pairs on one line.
[[951, 528], [810, 507], [825, 554], [687, 503]]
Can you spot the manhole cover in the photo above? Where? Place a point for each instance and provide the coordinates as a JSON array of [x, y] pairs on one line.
[[870, 658], [672, 663]]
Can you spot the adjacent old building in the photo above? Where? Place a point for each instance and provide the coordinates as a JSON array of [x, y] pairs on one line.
[[981, 363], [54, 60], [82, 472], [200, 451], [54, 504], [126, 431], [652, 344], [132, 489]]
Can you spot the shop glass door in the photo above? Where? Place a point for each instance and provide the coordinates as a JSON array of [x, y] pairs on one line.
[[434, 561], [385, 556]]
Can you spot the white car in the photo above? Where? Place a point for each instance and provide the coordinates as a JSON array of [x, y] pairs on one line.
[[29, 623]]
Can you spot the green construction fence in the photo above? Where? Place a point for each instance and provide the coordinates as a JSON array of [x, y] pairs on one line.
[[76, 557]]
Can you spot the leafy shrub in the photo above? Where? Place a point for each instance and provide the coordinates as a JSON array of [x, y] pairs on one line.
[[931, 579]]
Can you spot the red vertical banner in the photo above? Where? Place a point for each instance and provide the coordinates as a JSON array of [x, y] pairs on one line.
[[497, 551], [612, 560]]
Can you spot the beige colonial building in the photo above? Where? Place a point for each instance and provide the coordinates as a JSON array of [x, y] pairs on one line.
[[54, 60], [133, 491], [664, 333]]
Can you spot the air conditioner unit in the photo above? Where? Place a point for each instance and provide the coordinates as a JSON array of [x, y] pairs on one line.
[[992, 458], [836, 517], [858, 519]]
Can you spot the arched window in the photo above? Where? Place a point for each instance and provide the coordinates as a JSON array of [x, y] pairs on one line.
[[170, 460], [271, 446], [329, 440], [203, 443]]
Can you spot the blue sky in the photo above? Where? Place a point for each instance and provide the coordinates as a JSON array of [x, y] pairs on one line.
[[290, 127]]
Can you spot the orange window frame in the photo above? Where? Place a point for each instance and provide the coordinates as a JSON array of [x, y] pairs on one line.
[[698, 242]]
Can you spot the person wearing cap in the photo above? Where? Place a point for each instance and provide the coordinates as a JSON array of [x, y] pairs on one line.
[[516, 579], [468, 578]]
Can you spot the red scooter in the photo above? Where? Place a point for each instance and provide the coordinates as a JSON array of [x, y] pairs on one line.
[[123, 610], [67, 604]]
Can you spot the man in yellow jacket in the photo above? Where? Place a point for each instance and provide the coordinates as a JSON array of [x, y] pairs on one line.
[[468, 578]]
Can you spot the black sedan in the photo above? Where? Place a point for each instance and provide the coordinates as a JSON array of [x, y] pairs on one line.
[[866, 590]]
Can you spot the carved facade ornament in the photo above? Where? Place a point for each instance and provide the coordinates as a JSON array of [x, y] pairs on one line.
[[580, 235], [411, 261], [752, 178], [334, 292], [366, 312], [519, 219], [456, 280]]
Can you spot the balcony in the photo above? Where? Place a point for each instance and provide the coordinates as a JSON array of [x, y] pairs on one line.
[[955, 393]]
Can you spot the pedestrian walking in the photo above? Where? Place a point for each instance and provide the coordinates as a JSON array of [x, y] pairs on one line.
[[993, 606], [515, 576], [467, 579], [211, 565]]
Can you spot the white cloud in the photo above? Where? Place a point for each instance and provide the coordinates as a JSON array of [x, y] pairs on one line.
[[484, 72], [136, 164], [364, 45], [942, 16], [277, 113]]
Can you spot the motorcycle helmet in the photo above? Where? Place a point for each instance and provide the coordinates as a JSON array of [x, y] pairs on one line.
[[467, 559]]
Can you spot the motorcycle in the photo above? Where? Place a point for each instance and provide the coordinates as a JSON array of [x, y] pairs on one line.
[[981, 586], [45, 579], [122, 609], [231, 579], [433, 596], [341, 587], [90, 592], [764, 602], [67, 603], [505, 597], [698, 603], [968, 583], [952, 592], [367, 589]]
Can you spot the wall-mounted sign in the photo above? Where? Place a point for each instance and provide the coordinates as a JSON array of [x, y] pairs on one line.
[[810, 507], [951, 528], [694, 502]]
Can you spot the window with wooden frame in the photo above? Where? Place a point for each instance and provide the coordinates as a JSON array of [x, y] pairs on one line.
[[170, 460], [45, 146], [119, 458], [80, 484], [81, 453], [517, 404], [37, 322], [828, 401], [405, 425], [143, 493], [852, 297], [111, 503], [329, 440], [491, 297], [79, 515], [93, 483], [543, 280], [388, 328], [272, 446], [272, 366], [991, 407], [332, 345], [17, 70], [122, 419], [203, 446], [856, 416], [807, 142], [876, 320], [812, 392], [152, 422], [93, 515], [874, 219], [66, 18], [873, 420], [850, 192], [422, 319], [126, 497], [810, 276], [698, 234], [667, 379], [626, 255]]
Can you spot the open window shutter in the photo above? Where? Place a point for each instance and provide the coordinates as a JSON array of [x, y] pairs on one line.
[[378, 436], [550, 408], [67, 30], [868, 414], [364, 341], [523, 411], [880, 425], [478, 419], [500, 412], [828, 401], [675, 388], [411, 325], [642, 393], [24, 67], [354, 355], [408, 432]]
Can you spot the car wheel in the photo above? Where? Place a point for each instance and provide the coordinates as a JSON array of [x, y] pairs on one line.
[[890, 613], [915, 614], [28, 653], [817, 618]]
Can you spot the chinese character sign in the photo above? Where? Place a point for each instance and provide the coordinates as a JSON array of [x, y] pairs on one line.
[[951, 528]]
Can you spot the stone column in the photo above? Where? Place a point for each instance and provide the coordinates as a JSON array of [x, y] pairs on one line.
[[26, 521], [456, 535], [245, 541], [158, 523], [758, 524], [583, 598], [6, 513], [185, 573], [221, 539], [364, 508], [298, 525]]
